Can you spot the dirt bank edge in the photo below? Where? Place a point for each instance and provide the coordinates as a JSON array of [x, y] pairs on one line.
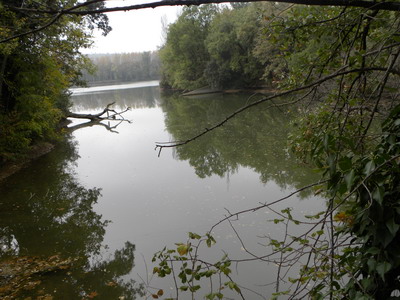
[[36, 152]]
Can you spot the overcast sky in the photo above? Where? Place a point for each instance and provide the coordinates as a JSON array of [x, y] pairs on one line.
[[133, 31]]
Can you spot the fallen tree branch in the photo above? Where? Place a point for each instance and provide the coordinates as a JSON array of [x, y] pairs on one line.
[[111, 115]]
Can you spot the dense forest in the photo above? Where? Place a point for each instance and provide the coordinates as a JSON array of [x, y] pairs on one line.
[[337, 65], [123, 67]]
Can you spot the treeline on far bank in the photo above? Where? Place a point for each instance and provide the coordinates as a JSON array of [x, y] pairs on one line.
[[221, 47], [123, 67]]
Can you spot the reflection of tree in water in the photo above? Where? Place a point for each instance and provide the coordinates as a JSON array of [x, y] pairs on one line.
[[46, 212], [144, 97], [255, 139]]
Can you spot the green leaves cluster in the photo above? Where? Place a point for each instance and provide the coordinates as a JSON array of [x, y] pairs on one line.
[[356, 149], [184, 55], [192, 271], [36, 71], [374, 181], [213, 46]]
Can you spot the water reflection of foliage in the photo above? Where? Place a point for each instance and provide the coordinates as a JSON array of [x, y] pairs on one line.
[[50, 213], [256, 139], [144, 97]]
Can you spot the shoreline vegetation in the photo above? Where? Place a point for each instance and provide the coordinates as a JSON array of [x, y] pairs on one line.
[[44, 147]]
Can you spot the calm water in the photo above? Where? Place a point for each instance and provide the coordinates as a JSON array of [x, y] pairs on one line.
[[107, 199]]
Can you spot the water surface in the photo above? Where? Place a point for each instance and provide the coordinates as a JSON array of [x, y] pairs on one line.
[[107, 199]]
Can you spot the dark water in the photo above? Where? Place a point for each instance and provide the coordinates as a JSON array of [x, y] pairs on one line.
[[108, 201]]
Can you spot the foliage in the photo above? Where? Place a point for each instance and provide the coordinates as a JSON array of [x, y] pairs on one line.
[[192, 270], [184, 54], [220, 54], [341, 136], [366, 190], [35, 72], [230, 44]]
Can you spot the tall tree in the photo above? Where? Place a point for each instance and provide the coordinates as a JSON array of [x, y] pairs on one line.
[[230, 44], [184, 55], [37, 69]]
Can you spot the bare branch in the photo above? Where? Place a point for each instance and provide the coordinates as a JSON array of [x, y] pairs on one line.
[[99, 116], [265, 204], [390, 5], [79, 9]]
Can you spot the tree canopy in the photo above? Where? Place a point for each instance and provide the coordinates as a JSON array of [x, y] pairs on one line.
[[217, 53], [36, 70]]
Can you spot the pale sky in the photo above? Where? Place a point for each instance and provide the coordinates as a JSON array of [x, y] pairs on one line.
[[133, 31]]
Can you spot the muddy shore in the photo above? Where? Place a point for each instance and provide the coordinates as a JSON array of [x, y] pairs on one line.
[[13, 167]]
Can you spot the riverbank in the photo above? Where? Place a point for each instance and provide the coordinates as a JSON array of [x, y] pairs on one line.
[[37, 151], [209, 91]]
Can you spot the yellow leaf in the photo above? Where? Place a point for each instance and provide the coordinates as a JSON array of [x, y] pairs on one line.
[[182, 249]]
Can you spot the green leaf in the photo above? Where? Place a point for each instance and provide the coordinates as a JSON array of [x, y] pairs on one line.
[[392, 226], [371, 264], [369, 167], [210, 241], [233, 286], [367, 283], [213, 295], [276, 221], [182, 249], [382, 268], [373, 250], [332, 164], [194, 236], [378, 194], [349, 179], [345, 164], [194, 288]]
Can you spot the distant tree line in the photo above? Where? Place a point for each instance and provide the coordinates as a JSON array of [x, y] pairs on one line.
[[123, 67]]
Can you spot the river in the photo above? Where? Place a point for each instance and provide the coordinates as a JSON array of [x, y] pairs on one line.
[[105, 198]]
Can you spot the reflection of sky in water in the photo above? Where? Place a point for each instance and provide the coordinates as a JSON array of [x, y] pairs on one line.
[[133, 95], [99, 89], [154, 201]]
